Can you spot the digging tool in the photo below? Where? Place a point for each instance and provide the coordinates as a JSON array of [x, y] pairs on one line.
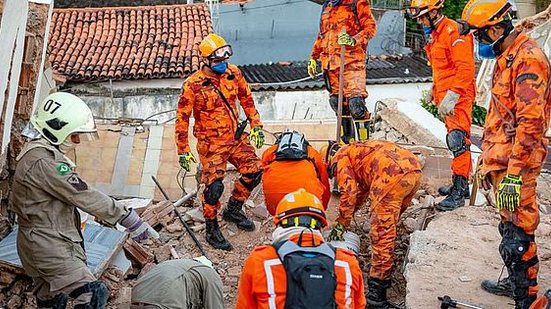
[[176, 204], [448, 302], [339, 108]]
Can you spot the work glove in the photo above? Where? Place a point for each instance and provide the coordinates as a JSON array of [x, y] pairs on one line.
[[257, 137], [312, 68], [138, 229], [447, 105], [428, 96], [508, 193], [337, 233], [185, 159], [345, 39], [204, 260]]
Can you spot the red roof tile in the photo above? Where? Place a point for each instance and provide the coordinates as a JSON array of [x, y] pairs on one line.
[[127, 42]]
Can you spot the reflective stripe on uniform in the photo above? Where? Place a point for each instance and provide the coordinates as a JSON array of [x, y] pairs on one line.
[[457, 41], [270, 281], [348, 286]]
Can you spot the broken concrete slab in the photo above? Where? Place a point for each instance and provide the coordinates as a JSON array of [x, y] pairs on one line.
[[456, 252], [101, 245], [260, 211], [136, 253], [196, 214], [158, 213]]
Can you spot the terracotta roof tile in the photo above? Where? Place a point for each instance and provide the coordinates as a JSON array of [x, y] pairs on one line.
[[127, 42]]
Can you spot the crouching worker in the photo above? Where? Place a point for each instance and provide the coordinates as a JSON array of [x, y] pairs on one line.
[[389, 176], [46, 194], [300, 270], [292, 164], [179, 284]]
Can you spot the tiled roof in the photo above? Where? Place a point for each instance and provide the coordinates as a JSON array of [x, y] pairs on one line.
[[127, 42], [380, 70]]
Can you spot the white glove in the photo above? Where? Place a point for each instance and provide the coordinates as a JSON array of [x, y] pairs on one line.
[[447, 105], [138, 229], [203, 260], [428, 95]]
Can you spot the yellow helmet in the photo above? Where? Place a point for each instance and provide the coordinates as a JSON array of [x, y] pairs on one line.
[[482, 13], [418, 8], [214, 46]]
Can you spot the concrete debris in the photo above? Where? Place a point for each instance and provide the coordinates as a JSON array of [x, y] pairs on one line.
[[197, 228], [410, 224], [465, 279], [160, 213], [136, 253], [175, 227], [196, 214], [260, 211], [121, 263], [138, 204], [162, 253]]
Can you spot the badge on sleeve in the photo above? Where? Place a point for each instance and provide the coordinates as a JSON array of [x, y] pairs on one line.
[[77, 183], [63, 168]]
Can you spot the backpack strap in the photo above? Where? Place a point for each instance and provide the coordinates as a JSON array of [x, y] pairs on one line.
[[288, 247]]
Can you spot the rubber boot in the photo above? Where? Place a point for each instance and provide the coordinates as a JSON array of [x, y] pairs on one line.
[[456, 198], [502, 287], [376, 294], [234, 213], [347, 129], [215, 237], [445, 190]]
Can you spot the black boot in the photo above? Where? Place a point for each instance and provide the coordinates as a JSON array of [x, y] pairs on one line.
[[456, 198], [445, 190], [502, 287], [376, 294], [525, 303], [215, 237], [234, 213], [347, 129]]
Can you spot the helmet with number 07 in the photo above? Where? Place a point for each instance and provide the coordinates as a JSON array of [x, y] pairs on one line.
[[61, 115]]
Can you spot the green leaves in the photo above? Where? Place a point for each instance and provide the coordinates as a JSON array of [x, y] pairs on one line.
[[478, 113]]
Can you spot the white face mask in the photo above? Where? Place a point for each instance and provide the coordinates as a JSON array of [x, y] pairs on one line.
[[67, 145]]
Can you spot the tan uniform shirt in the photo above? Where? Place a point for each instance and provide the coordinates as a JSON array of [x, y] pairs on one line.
[[46, 193], [180, 284]]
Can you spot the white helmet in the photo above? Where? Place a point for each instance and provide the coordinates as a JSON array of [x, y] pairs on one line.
[[62, 114]]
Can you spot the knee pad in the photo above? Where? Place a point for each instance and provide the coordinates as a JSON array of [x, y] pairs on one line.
[[100, 294], [213, 192], [357, 107], [58, 302], [456, 142], [334, 103], [251, 180], [514, 244]]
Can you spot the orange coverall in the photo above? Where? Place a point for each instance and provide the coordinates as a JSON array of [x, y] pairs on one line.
[[215, 127], [452, 59], [282, 177], [389, 176], [362, 27], [514, 132], [264, 280]]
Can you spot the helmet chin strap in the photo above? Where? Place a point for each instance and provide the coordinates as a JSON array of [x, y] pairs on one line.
[[434, 21], [66, 146]]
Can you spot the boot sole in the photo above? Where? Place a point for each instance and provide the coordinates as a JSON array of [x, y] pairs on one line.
[[497, 292], [225, 248]]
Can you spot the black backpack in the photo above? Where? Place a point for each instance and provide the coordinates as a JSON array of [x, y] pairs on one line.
[[311, 278], [291, 146]]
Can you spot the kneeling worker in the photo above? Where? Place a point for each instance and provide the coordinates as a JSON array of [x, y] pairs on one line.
[[292, 164], [389, 176], [300, 270], [179, 284]]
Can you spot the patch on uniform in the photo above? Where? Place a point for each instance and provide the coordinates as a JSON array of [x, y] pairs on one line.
[[63, 169], [77, 183]]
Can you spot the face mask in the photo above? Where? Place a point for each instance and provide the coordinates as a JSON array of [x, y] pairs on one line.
[[66, 146], [335, 2], [427, 30], [220, 67], [485, 51]]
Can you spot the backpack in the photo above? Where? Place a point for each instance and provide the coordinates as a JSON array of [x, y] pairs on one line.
[[311, 278], [291, 146]]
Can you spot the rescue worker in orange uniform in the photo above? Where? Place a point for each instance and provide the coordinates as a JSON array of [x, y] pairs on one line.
[[349, 23], [543, 302], [514, 146], [211, 93], [451, 57], [292, 164], [299, 269], [388, 176]]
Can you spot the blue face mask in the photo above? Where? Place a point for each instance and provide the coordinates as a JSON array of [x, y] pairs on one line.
[[485, 51], [427, 30], [335, 2], [220, 67]]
